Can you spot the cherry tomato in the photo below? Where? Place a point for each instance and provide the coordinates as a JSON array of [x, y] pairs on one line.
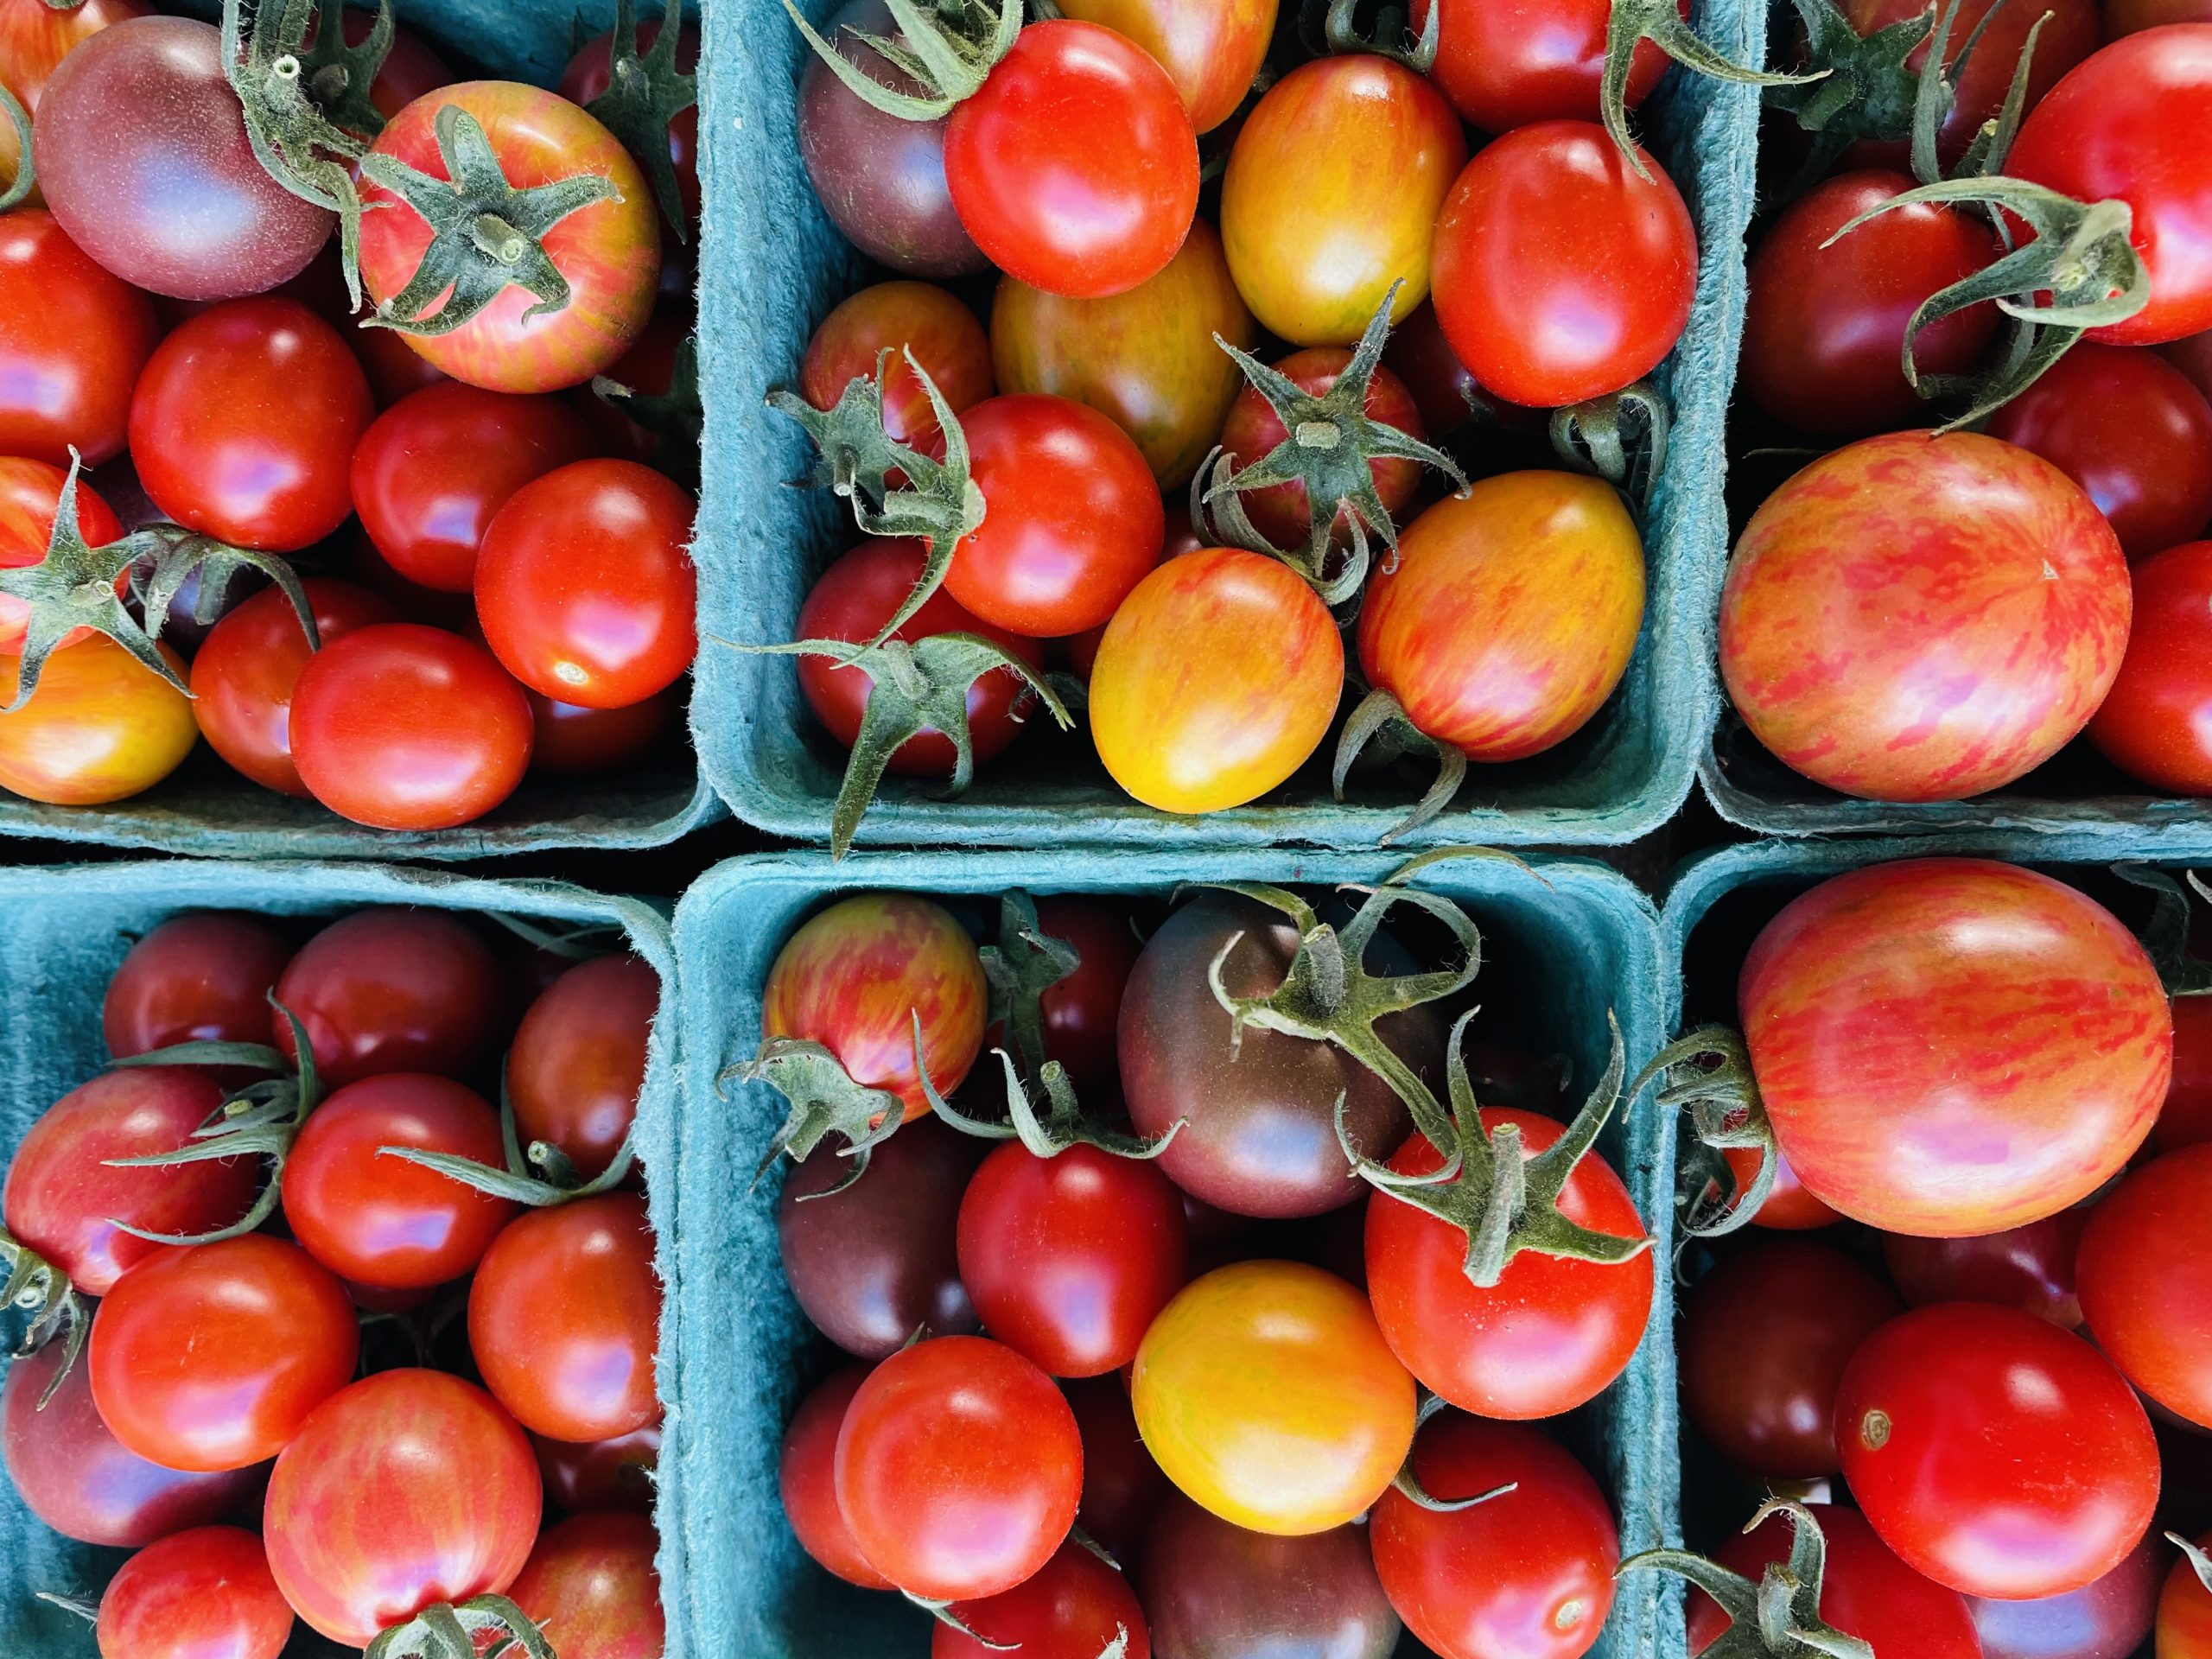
[[1268, 1394], [2146, 1271], [211, 1357], [584, 584], [63, 1200], [586, 1476], [30, 495], [591, 1577], [1560, 274], [403, 727], [806, 1478], [564, 1317], [1824, 325], [203, 977], [1145, 359], [2186, 1118], [1122, 1487], [195, 1594], [244, 676], [72, 339], [1076, 1606], [392, 990], [2068, 34], [1442, 390], [1082, 1011], [2156, 722], [1214, 1589], [569, 741], [591, 72], [2029, 1267], [1212, 52], [407, 1489], [900, 317], [1529, 1572], [608, 253], [430, 474], [855, 977], [33, 40], [1787, 1206], [1921, 986], [2185, 1612], [1995, 1453], [2109, 1618], [579, 1059], [1511, 63], [1075, 167], [852, 601], [1896, 552], [1764, 1339], [242, 422], [101, 727], [958, 1469], [1218, 676], [1331, 195], [1279, 512]]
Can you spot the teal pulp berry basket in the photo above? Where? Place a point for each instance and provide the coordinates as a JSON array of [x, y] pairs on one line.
[[69, 926], [774, 266], [1564, 940]]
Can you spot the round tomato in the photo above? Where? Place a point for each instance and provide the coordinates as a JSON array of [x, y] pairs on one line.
[[243, 422], [1995, 1453], [1511, 613], [200, 978], [1280, 511], [427, 476], [1145, 359], [30, 496], [1218, 676], [2146, 1275], [2185, 1610], [1999, 31], [1764, 1339], [900, 318], [211, 1357], [1075, 167], [1895, 1017], [958, 1469], [1511, 63], [2156, 722], [579, 1059], [1266, 1393], [1215, 1589], [585, 1477], [607, 253], [569, 741], [1081, 1012], [407, 1489], [392, 990], [1550, 1334], [806, 1478], [855, 977], [1212, 52], [1122, 1487], [564, 1318], [403, 727], [1075, 1606], [1561, 273], [2029, 1267], [1331, 193], [204, 1592], [244, 676], [591, 1579], [2108, 1619], [1824, 325], [100, 727], [1887, 559], [1529, 1573], [72, 339]]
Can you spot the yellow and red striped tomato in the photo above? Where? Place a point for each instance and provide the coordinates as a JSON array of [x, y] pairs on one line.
[[855, 978], [1210, 49], [101, 727], [1511, 613], [1217, 678]]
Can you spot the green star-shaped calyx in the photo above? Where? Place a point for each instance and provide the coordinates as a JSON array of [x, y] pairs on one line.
[[1632, 23], [644, 92], [1778, 1618], [452, 1630], [825, 1100], [675, 417]]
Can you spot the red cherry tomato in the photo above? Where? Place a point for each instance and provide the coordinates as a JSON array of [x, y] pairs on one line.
[[579, 1059], [243, 422], [1279, 512], [570, 740], [1511, 63], [1075, 1606], [1075, 168], [72, 340], [2156, 722], [198, 978], [1561, 275], [393, 991], [806, 1476], [959, 1469], [1995, 1453], [586, 1476], [902, 317], [1122, 1487], [591, 1577], [193, 1594], [430, 474], [584, 584], [211, 1357], [2147, 1277], [30, 495], [2029, 1267]]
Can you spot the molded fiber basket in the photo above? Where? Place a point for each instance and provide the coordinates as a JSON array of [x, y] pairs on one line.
[[743, 1353], [206, 808], [774, 266], [67, 928]]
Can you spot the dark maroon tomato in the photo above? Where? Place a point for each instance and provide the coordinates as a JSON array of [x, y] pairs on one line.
[[590, 72], [1442, 390], [806, 1478], [2129, 428], [203, 1594], [1261, 1138], [1083, 1011], [585, 1475], [2029, 1267], [1122, 1487], [141, 153], [1068, 1259], [2108, 1619], [570, 740], [1824, 327], [76, 1477], [579, 1059], [1075, 1606], [875, 1263], [202, 978], [1214, 1590], [394, 990], [72, 339], [880, 179], [1764, 1339], [1279, 512]]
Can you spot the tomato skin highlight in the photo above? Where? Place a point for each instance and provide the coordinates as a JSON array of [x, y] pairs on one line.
[[2146, 1273], [578, 1060], [392, 989], [806, 1480], [202, 1594], [592, 1578], [1212, 52], [2109, 1617], [72, 339], [101, 727], [2156, 722], [1075, 1607], [203, 977]]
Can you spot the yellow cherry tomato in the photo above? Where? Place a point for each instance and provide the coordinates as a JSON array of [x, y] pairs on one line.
[[1266, 1393], [101, 727]]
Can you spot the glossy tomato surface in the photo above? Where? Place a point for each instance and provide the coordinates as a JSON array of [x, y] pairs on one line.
[[2156, 724], [1511, 63], [100, 727], [393, 990], [579, 1059], [1210, 52], [203, 1594], [2147, 1277], [2108, 1619], [901, 317], [1215, 1590], [1995, 1453], [72, 339], [2185, 1612], [584, 1477], [33, 40], [1897, 553], [201, 977], [1266, 1393], [806, 1479], [2003, 1036], [2029, 1267], [1280, 511], [1075, 1604], [592, 1578]]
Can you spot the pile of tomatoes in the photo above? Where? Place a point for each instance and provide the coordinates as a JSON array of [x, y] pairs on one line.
[[411, 554], [1972, 1136], [1227, 1396], [1149, 335], [268, 1249]]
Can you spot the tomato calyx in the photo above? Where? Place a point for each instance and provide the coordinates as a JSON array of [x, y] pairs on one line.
[[1619, 437], [949, 50], [1389, 36], [1778, 1618], [1025, 962], [2199, 1562], [1062, 1125], [485, 236], [1632, 23], [1407, 1484], [825, 1100], [1865, 91], [1381, 716], [19, 188], [644, 92], [676, 417], [539, 1175], [1711, 1075], [944, 1613], [37, 1286], [449, 1630], [2164, 938]]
